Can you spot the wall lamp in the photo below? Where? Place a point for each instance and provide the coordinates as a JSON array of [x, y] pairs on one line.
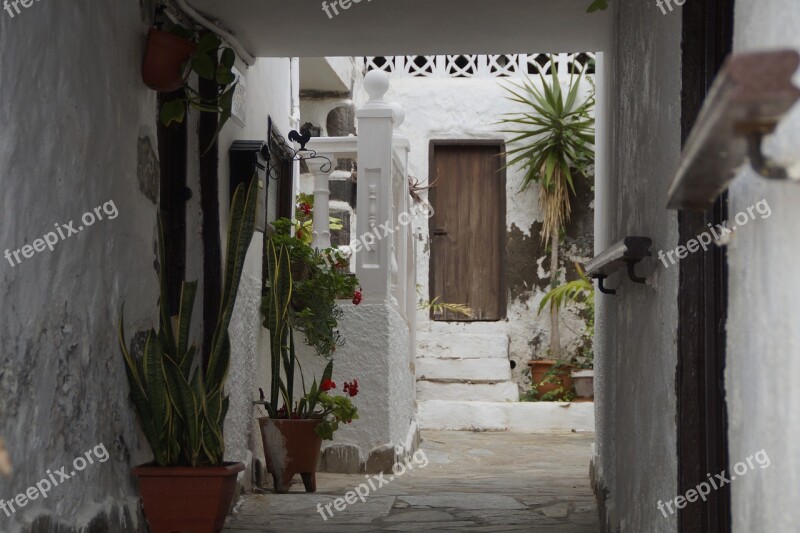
[[750, 96], [622, 255]]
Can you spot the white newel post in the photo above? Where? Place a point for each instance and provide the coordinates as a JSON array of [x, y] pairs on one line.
[[321, 169], [375, 125]]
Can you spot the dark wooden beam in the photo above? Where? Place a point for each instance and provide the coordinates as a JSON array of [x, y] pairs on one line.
[[172, 152], [209, 201]]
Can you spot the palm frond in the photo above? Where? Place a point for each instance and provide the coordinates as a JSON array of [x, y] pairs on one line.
[[553, 140]]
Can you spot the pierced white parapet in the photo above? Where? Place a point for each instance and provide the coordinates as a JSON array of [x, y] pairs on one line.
[[480, 66]]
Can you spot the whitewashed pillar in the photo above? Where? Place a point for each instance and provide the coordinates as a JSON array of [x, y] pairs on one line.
[[321, 169], [375, 124]]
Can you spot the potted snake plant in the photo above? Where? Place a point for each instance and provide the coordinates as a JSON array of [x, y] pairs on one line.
[[180, 400], [293, 431]]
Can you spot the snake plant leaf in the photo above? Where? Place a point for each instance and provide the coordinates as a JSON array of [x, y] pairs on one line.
[[185, 404], [240, 233], [168, 339], [276, 304], [157, 395], [226, 403], [328, 372], [188, 292]]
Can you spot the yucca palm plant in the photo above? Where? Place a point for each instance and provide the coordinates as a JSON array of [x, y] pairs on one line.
[[553, 144], [580, 291], [181, 402]]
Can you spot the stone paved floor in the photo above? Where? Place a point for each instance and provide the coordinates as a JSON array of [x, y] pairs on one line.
[[492, 482]]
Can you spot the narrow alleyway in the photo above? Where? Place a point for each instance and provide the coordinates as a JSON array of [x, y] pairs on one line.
[[493, 482]]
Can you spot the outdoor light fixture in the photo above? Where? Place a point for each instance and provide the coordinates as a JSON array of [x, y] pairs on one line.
[[622, 255], [747, 101]]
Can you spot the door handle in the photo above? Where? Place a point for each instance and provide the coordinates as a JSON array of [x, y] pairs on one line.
[[439, 232]]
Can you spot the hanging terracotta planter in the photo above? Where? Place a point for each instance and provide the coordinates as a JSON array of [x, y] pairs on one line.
[[291, 447], [164, 60], [187, 498]]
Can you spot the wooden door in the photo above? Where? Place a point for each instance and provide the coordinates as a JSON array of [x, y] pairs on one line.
[[467, 230]]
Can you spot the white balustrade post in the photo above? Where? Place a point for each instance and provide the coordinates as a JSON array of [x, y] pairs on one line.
[[402, 205], [321, 169], [375, 124]]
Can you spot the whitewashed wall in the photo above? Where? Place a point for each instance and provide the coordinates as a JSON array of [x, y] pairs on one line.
[[763, 360], [73, 110], [269, 93], [440, 108], [79, 129]]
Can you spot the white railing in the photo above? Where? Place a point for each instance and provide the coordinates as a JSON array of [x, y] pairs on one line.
[[386, 260], [481, 66]]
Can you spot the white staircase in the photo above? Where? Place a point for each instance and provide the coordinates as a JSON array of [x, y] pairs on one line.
[[464, 384], [460, 367]]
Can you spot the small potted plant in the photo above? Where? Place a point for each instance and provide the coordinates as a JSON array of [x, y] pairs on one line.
[[172, 55], [293, 430], [180, 399], [550, 375]]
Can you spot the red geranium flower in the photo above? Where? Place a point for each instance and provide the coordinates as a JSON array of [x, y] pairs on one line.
[[305, 208], [351, 388], [327, 385]]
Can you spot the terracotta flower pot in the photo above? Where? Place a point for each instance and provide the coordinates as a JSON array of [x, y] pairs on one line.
[[187, 499], [164, 60], [291, 447], [540, 368]]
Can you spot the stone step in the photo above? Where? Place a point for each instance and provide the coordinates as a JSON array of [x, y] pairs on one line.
[[462, 345], [486, 392], [480, 370], [522, 417]]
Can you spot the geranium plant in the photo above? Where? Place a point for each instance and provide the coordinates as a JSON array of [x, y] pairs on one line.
[[304, 218]]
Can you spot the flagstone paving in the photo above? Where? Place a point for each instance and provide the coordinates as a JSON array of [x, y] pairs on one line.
[[492, 482]]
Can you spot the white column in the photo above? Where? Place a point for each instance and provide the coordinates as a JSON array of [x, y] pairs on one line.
[[321, 169], [375, 121]]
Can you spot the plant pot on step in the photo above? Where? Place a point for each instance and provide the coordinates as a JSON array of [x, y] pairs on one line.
[[164, 60], [187, 499], [291, 447], [584, 383], [540, 368]]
